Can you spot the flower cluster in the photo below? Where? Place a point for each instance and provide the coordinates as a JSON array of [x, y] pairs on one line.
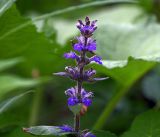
[[85, 97], [78, 96]]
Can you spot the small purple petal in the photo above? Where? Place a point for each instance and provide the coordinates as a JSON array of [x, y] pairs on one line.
[[71, 92], [89, 134], [87, 21], [88, 95], [71, 55], [78, 46], [66, 128], [99, 79], [72, 101], [96, 59], [87, 102], [83, 93], [93, 23], [90, 73], [61, 74], [96, 79]]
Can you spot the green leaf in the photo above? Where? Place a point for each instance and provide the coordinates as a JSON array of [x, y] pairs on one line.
[[7, 63], [39, 53], [9, 102], [102, 133], [45, 130], [10, 83], [5, 4], [145, 125], [118, 42]]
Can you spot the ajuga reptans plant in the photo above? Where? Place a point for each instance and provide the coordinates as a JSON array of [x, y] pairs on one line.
[[78, 98]]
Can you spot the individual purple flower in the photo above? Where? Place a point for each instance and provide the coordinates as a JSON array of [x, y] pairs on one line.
[[89, 73], [72, 101], [86, 97], [96, 59], [88, 28], [66, 128], [71, 55], [85, 94], [71, 92], [82, 45], [73, 72], [91, 44], [87, 101]]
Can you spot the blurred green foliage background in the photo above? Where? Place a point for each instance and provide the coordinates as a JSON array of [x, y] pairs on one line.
[[32, 44]]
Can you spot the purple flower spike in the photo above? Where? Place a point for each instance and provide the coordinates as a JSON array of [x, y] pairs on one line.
[[96, 59], [71, 55], [73, 101], [66, 128], [78, 98]]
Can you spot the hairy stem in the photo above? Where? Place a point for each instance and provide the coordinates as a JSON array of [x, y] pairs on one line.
[[79, 86], [77, 116]]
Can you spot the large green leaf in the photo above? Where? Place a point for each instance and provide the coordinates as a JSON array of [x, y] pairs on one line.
[[34, 47], [145, 125]]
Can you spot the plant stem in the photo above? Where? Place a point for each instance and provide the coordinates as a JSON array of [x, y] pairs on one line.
[[77, 116], [79, 87], [36, 106], [77, 123], [36, 100]]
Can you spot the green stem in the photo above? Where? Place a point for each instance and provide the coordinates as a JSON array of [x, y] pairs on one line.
[[110, 107], [37, 99]]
